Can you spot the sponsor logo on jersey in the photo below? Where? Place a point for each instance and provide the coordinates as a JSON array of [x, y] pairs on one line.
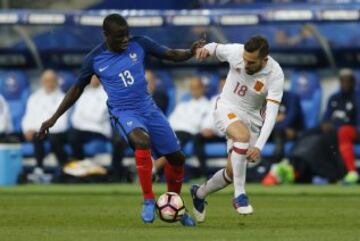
[[103, 68]]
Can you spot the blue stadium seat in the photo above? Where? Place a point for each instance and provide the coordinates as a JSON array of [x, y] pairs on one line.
[[14, 86], [129, 152], [216, 149], [189, 149], [268, 150], [66, 80], [27, 148], [91, 148], [307, 86], [97, 146]]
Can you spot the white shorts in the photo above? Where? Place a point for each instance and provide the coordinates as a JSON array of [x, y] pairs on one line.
[[225, 115]]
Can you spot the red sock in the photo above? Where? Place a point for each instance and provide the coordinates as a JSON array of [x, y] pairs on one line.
[[144, 170], [346, 137], [174, 177]]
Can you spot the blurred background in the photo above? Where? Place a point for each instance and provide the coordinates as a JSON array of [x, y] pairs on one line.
[[317, 43]]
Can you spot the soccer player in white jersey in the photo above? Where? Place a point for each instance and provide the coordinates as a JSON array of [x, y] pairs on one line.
[[246, 111]]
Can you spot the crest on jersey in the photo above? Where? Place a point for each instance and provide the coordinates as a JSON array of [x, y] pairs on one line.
[[133, 56], [259, 85], [231, 116]]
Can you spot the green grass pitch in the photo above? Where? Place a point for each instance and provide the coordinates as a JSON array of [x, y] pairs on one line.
[[111, 212]]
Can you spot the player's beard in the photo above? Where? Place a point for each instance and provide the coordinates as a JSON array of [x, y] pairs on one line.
[[253, 71]]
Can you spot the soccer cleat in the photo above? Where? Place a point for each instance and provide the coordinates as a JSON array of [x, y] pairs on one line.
[[351, 178], [148, 211], [198, 205], [187, 220], [242, 206]]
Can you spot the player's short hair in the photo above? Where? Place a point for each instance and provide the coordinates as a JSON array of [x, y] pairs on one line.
[[260, 43], [113, 19]]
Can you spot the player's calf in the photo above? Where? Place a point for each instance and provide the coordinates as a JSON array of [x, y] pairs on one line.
[[174, 171]]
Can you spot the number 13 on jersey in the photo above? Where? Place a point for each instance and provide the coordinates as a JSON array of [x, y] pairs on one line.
[[127, 78]]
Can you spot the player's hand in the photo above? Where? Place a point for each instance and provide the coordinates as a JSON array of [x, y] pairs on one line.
[[45, 126], [202, 54], [253, 154], [207, 132], [29, 135], [197, 45]]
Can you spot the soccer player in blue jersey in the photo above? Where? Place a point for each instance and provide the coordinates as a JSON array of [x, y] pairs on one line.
[[119, 64]]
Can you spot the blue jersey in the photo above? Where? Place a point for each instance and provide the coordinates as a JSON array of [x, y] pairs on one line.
[[122, 74]]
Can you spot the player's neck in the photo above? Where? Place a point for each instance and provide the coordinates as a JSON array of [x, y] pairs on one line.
[[111, 50]]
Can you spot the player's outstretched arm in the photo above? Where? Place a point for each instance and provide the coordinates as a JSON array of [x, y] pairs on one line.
[[223, 52], [178, 55], [70, 98]]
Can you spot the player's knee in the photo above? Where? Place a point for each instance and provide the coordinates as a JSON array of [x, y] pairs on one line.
[[176, 158], [238, 132], [241, 136], [142, 144], [140, 139]]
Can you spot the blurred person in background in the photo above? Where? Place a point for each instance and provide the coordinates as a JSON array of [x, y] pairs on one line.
[[316, 155], [158, 94], [41, 104], [347, 135], [5, 120], [90, 119], [208, 131], [305, 37], [289, 124], [188, 115]]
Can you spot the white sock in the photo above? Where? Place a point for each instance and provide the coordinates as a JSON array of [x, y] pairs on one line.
[[238, 161], [217, 182]]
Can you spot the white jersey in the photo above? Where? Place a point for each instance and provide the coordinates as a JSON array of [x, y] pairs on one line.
[[40, 106], [244, 92], [91, 113], [188, 115], [5, 117]]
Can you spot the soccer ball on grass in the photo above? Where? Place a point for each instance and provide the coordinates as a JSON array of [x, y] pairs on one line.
[[170, 207]]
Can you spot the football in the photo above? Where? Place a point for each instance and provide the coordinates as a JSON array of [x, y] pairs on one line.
[[171, 207]]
